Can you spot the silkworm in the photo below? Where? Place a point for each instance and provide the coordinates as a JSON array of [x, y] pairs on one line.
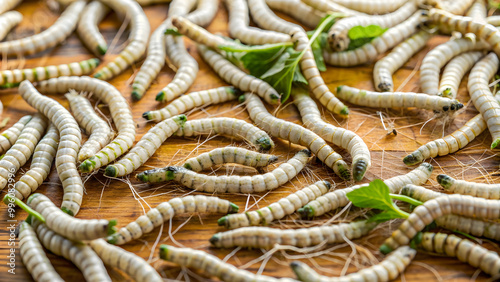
[[337, 199], [339, 136], [297, 9], [48, 38], [425, 214], [478, 11], [80, 254], [234, 76], [146, 147], [229, 155], [69, 144], [166, 211], [265, 18], [205, 12], [389, 269], [228, 126], [151, 2], [276, 210], [10, 135], [197, 33], [397, 100], [370, 51], [230, 184], [372, 6], [266, 238], [118, 107], [455, 70], [457, 7], [8, 5], [44, 73], [8, 21], [387, 66], [420, 193], [493, 20], [463, 249], [482, 190], [331, 6], [137, 41], [136, 267], [41, 163], [193, 100], [296, 134], [471, 226], [88, 29]]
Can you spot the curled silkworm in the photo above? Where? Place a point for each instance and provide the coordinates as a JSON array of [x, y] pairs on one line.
[[482, 190], [455, 70], [9, 136], [331, 6], [88, 29], [420, 193], [8, 21], [297, 9], [474, 227]]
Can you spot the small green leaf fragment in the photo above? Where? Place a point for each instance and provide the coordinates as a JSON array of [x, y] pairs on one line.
[[360, 35], [172, 31]]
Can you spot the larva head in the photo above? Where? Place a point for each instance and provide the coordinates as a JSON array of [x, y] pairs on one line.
[[385, 87], [339, 88], [164, 252], [265, 143], [147, 115], [233, 208], [102, 49], [111, 227], [306, 212], [384, 249], [111, 171], [327, 184], [275, 98], [136, 95], [94, 62], [235, 91], [495, 143], [359, 169], [160, 97], [306, 152], [65, 210], [113, 239], [241, 99], [215, 239], [445, 181], [301, 270], [342, 169], [344, 111], [223, 221], [413, 158], [180, 120], [272, 159], [87, 165]]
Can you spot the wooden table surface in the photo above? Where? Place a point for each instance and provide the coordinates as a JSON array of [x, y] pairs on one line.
[[126, 199]]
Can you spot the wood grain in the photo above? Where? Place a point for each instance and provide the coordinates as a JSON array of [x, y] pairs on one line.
[[126, 199]]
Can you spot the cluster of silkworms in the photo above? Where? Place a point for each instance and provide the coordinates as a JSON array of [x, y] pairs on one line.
[[53, 134]]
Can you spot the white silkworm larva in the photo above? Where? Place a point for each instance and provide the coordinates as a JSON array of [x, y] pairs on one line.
[[88, 29], [233, 183], [228, 126], [118, 107], [276, 210], [234, 76], [398, 100], [493, 20], [296, 134], [330, 6], [339, 136], [136, 267], [44, 73], [372, 6], [370, 51], [197, 33], [481, 96], [22, 149], [138, 38], [265, 18], [478, 11], [387, 66], [193, 100], [146, 147], [9, 136], [8, 5], [463, 249], [33, 256], [387, 270], [475, 227], [8, 21], [266, 237], [455, 70], [420, 193], [95, 126], [205, 12], [337, 199], [229, 155], [80, 254], [425, 214], [48, 38], [482, 190], [69, 144], [41, 163], [297, 9], [166, 211], [457, 7]]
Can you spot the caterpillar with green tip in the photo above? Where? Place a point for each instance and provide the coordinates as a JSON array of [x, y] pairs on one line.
[[8, 21], [420, 193], [482, 190], [455, 70], [88, 29], [9, 136]]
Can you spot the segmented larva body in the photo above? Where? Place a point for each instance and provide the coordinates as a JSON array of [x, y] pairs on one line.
[[166, 211], [455, 70], [41, 163], [193, 100], [146, 147], [211, 265], [136, 267], [228, 126], [10, 135], [266, 237], [482, 190], [8, 21], [22, 149], [48, 38], [370, 51], [233, 183], [493, 20], [34, 257], [478, 11], [471, 226], [338, 34], [265, 18], [138, 38], [8, 5], [420, 193], [69, 144], [372, 6], [276, 210], [151, 2], [44, 73], [205, 12], [229, 155], [234, 76], [339, 136], [337, 199], [387, 270], [463, 249], [457, 7], [88, 29], [296, 134], [118, 107], [80, 254], [425, 214], [297, 9], [331, 6], [197, 33], [397, 100], [387, 66]]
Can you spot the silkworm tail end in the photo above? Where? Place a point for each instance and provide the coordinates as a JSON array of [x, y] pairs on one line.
[[181, 120], [143, 176], [233, 208], [384, 249], [495, 143], [87, 165], [341, 169], [160, 97], [164, 252], [223, 221], [344, 111], [147, 115], [264, 143], [411, 159], [301, 270], [136, 95], [306, 212], [359, 169], [111, 171], [235, 91], [112, 227], [241, 99], [66, 210], [112, 239], [385, 87], [444, 180], [214, 240], [102, 49]]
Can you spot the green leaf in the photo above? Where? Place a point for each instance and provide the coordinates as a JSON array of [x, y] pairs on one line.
[[360, 35], [494, 3], [317, 50], [172, 31]]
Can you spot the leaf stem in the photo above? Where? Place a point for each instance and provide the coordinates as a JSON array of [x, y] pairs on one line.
[[406, 199], [8, 199]]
